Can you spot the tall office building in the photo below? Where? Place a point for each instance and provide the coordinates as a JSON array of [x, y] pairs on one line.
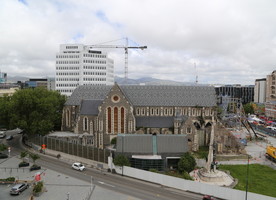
[[243, 92], [260, 91], [77, 64]]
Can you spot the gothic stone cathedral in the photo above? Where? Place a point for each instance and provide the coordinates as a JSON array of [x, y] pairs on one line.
[[99, 112]]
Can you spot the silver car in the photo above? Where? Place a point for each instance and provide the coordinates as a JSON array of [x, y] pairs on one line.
[[18, 188]]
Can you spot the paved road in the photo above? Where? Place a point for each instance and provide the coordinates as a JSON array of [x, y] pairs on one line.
[[108, 186]]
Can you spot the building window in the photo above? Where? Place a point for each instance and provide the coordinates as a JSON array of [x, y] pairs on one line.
[[171, 111], [165, 111], [143, 111], [67, 119], [189, 130], [193, 112], [115, 99], [138, 111], [151, 111], [122, 120], [157, 111], [109, 120], [115, 120], [85, 123]]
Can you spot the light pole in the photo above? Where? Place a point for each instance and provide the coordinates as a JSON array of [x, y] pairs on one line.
[[247, 173]]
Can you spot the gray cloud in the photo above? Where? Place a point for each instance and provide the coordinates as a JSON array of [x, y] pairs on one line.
[[230, 41]]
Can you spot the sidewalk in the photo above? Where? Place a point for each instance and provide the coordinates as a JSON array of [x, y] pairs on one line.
[[58, 185]]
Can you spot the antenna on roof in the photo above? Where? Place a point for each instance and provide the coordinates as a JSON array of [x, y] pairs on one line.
[[196, 74]]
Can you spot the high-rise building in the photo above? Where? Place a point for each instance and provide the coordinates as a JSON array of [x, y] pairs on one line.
[[260, 91], [271, 87], [243, 92], [3, 77], [77, 64]]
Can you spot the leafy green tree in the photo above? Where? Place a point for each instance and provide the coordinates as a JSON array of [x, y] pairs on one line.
[[36, 111], [4, 111], [23, 154], [2, 147], [114, 140], [186, 163], [34, 157], [248, 108], [121, 160]]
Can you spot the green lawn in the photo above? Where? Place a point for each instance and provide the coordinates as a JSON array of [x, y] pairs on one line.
[[262, 179]]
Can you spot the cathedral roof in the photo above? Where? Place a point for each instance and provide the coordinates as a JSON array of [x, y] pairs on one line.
[[150, 95]]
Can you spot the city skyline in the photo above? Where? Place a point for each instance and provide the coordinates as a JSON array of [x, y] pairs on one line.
[[220, 42]]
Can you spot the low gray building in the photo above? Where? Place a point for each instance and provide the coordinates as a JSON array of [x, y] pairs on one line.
[[152, 151]]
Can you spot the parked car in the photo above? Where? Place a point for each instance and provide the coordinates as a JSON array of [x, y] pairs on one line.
[[78, 166], [35, 167], [18, 188], [209, 197], [2, 134], [9, 137], [3, 156]]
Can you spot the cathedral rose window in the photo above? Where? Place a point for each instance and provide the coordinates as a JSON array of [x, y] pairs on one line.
[[115, 98]]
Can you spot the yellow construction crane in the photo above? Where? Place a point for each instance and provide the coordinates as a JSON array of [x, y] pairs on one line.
[[126, 47]]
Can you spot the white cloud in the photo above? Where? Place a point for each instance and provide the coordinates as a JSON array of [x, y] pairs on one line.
[[230, 41]]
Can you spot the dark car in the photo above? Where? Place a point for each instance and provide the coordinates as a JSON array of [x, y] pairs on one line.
[[3, 156], [208, 197], [18, 188], [10, 137], [34, 167]]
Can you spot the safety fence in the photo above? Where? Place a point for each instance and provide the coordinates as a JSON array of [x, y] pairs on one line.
[[88, 152]]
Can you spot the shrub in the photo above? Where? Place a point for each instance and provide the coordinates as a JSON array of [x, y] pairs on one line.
[[38, 187], [9, 179], [186, 163], [153, 170]]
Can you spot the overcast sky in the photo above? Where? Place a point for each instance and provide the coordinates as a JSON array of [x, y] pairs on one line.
[[231, 42]]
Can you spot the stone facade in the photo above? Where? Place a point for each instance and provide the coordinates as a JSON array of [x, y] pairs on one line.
[[105, 111]]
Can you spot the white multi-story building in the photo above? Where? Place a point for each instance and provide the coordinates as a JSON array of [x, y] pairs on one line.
[[77, 64], [260, 91]]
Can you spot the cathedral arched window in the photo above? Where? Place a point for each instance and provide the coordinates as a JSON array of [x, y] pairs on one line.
[[109, 120], [85, 123], [122, 120], [115, 120]]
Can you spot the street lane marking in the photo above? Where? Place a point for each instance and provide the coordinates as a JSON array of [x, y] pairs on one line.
[[103, 183]]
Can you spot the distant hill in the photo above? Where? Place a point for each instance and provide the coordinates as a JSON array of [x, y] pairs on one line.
[[119, 80], [149, 81], [15, 79]]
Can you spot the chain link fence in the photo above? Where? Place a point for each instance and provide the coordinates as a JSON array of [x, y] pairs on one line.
[[88, 152]]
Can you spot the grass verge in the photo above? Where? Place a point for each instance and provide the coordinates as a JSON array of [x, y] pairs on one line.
[[261, 178]]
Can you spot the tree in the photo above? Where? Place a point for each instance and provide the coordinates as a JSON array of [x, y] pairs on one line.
[[36, 111], [121, 160], [4, 111], [248, 108], [114, 140], [34, 157], [186, 163], [23, 154], [2, 147]]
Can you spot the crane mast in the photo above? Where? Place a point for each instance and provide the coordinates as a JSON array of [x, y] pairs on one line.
[[125, 47]]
